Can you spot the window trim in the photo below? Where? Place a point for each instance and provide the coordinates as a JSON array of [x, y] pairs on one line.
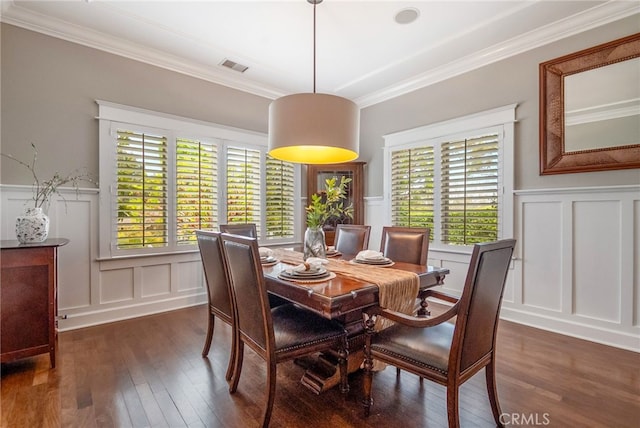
[[503, 118], [110, 114]]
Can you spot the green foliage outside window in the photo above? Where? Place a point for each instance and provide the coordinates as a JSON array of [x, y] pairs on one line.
[[141, 190]]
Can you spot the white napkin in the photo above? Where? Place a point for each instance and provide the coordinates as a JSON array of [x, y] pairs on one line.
[[265, 252], [315, 265], [370, 255]]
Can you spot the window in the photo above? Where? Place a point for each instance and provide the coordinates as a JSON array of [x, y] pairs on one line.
[[469, 190], [280, 199], [412, 187], [243, 186], [141, 190], [453, 178], [160, 181], [196, 188]]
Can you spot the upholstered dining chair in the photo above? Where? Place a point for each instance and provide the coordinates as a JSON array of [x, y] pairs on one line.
[[279, 334], [351, 238], [244, 229], [249, 230], [439, 350], [405, 244], [218, 288]]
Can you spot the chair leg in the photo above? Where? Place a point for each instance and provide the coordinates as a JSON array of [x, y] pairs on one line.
[[207, 341], [235, 378], [452, 405], [492, 390], [232, 356], [271, 394]]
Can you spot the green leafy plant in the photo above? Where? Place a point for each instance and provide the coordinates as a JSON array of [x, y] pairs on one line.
[[329, 203], [43, 190]]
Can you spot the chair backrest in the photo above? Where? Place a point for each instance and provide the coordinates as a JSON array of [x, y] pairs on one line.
[[405, 244], [215, 272], [253, 314], [477, 322], [352, 238], [243, 229]]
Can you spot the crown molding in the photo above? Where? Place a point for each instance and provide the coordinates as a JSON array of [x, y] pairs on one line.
[[592, 18], [24, 18], [13, 14]]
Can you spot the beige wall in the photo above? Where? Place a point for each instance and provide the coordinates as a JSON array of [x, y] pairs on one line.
[[49, 88], [514, 80]]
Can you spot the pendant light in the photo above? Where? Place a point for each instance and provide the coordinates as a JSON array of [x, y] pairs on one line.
[[314, 128]]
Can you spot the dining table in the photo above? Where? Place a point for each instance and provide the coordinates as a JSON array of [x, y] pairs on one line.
[[343, 297]]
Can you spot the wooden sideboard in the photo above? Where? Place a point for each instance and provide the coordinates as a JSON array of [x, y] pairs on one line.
[[28, 299]]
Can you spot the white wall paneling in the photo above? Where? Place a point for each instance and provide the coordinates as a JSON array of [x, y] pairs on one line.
[[632, 294], [577, 267], [92, 291]]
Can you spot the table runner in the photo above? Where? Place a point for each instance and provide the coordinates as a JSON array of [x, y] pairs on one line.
[[397, 289]]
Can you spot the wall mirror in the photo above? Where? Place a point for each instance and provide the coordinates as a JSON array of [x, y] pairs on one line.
[[590, 109]]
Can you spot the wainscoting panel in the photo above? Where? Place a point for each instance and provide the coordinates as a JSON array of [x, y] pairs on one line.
[[597, 273], [190, 276], [542, 256], [156, 280], [575, 269], [633, 276], [92, 291], [578, 272], [374, 214], [576, 266], [116, 286], [74, 218]]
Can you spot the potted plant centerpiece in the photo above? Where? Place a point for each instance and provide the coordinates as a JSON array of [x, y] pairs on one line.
[[33, 225], [325, 205]]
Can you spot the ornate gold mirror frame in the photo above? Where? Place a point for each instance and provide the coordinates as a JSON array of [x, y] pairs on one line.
[[554, 158]]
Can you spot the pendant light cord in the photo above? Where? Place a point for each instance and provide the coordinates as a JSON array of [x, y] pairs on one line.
[[314, 47]]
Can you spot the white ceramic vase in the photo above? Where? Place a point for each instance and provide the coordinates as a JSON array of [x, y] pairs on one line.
[[32, 226]]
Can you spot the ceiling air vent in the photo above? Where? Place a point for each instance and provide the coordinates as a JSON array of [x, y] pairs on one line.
[[234, 66]]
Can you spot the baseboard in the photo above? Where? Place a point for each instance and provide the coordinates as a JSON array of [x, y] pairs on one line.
[[76, 320], [591, 333]]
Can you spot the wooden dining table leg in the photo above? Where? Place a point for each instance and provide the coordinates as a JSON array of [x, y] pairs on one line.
[[322, 372]]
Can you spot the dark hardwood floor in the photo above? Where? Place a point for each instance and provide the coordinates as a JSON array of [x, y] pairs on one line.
[[149, 372]]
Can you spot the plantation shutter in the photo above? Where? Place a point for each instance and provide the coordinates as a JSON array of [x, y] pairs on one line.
[[412, 172], [279, 198], [469, 205], [141, 190], [196, 189], [243, 186]]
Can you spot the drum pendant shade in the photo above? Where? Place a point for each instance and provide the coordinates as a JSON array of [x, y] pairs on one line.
[[314, 128]]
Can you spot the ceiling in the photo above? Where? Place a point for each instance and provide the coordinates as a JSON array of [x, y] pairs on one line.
[[362, 52]]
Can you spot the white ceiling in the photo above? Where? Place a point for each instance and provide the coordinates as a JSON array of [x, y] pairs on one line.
[[362, 53]]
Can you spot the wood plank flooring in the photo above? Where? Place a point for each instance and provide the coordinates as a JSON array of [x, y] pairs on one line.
[[148, 372]]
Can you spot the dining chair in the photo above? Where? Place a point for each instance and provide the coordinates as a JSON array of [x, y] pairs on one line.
[[243, 229], [405, 244], [218, 288], [351, 238], [448, 353], [249, 230], [279, 334]]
